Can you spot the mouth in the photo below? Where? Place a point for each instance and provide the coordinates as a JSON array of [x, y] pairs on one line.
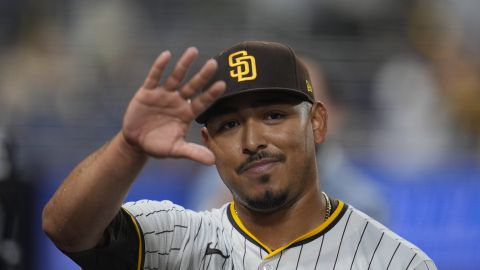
[[261, 162], [259, 166]]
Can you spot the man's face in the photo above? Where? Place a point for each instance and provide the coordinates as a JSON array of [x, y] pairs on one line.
[[264, 148]]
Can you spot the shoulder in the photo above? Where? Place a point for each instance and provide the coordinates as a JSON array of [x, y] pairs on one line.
[[169, 233], [146, 207], [158, 212], [381, 243]]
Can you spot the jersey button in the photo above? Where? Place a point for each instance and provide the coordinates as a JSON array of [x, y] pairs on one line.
[[267, 267]]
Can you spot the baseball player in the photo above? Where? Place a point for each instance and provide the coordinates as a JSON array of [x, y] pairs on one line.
[[261, 125]]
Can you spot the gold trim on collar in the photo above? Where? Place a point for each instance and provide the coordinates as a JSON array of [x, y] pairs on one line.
[[244, 229], [309, 234]]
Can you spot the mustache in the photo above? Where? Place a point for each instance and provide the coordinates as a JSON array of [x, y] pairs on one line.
[[259, 156]]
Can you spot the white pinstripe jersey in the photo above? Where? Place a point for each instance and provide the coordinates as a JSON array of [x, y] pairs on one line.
[[175, 238]]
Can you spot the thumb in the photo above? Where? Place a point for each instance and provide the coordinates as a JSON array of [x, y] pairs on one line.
[[195, 152]]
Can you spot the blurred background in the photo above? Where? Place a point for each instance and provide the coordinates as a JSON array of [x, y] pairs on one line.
[[404, 103]]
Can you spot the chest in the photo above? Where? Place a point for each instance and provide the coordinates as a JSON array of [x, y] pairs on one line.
[[328, 251], [243, 254]]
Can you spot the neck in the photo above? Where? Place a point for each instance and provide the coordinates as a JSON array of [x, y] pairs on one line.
[[280, 227]]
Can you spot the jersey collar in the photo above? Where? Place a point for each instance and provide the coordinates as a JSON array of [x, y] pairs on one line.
[[309, 236]]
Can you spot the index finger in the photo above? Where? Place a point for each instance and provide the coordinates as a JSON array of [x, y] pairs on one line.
[[153, 78]]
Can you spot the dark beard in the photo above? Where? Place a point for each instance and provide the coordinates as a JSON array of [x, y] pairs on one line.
[[269, 200]]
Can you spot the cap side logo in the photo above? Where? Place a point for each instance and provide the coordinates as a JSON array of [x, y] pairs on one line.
[[243, 66], [309, 87]]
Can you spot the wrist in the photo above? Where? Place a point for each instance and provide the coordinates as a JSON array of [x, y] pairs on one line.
[[129, 150]]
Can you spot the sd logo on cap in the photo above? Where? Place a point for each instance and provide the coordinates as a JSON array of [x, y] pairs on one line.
[[244, 65]]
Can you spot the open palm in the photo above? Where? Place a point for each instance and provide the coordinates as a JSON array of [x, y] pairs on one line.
[[158, 116]]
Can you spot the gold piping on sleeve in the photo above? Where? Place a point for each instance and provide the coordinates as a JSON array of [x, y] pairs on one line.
[[137, 228], [309, 234]]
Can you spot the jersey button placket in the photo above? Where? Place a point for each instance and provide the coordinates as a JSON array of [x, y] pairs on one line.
[[265, 266]]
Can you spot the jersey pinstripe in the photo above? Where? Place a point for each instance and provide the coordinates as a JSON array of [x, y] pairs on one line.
[[176, 238]]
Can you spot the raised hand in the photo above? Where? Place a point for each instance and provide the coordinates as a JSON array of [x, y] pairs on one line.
[[158, 116]]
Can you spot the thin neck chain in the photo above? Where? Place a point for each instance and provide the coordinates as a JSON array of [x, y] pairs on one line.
[[328, 206]]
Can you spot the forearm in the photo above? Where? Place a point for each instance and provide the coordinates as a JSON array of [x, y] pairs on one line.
[[89, 198]]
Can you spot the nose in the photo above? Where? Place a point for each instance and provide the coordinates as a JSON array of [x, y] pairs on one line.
[[253, 137]]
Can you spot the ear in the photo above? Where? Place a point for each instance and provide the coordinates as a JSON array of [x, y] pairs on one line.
[[319, 122], [205, 136]]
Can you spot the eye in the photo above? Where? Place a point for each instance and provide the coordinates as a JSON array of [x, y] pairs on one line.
[[272, 116], [228, 125]]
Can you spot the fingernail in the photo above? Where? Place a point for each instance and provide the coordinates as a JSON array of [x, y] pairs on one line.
[[193, 48], [212, 60]]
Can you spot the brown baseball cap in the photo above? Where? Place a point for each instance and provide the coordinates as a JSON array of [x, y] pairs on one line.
[[254, 66]]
